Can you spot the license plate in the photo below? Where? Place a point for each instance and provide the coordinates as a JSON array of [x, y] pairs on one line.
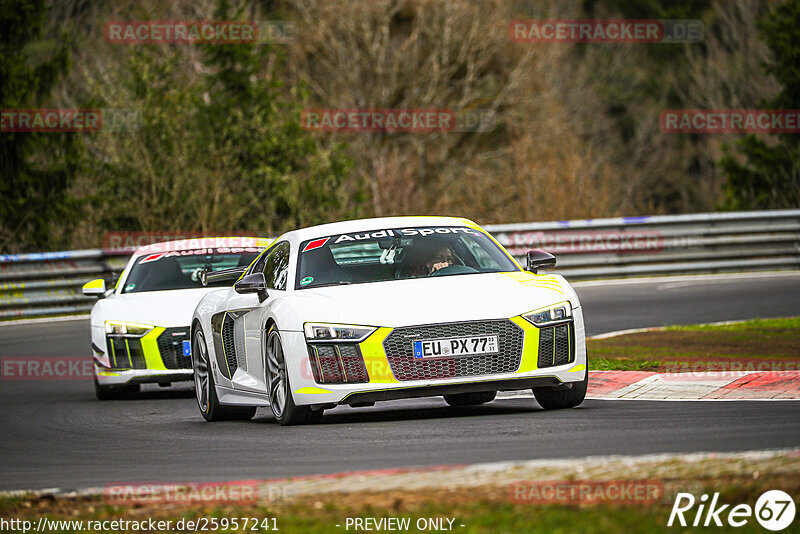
[[455, 346]]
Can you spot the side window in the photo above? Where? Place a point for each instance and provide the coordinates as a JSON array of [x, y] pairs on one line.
[[259, 264], [276, 268]]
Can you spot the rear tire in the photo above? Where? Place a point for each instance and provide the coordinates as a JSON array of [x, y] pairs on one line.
[[551, 398], [206, 393], [470, 399], [281, 403], [114, 392]]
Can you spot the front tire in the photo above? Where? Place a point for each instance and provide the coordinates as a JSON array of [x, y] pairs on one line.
[[204, 389], [551, 398], [470, 399], [280, 392]]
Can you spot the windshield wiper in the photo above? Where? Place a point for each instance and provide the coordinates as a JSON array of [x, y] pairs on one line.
[[339, 283]]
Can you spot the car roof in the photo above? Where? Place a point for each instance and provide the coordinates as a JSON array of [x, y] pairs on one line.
[[194, 243], [376, 223]]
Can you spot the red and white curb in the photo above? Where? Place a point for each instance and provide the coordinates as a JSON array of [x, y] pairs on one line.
[[711, 385], [719, 385]]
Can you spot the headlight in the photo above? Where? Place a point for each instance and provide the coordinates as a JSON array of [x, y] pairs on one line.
[[317, 332], [557, 313], [121, 328]]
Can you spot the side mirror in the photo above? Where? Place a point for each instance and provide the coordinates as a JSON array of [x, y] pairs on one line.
[[224, 275], [252, 283], [539, 259], [95, 288]]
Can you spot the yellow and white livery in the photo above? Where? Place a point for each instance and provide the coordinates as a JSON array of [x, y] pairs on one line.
[[140, 328], [360, 311]]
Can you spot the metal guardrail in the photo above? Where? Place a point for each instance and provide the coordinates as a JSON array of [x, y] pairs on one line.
[[663, 244], [49, 283]]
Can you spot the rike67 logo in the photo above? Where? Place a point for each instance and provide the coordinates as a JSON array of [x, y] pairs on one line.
[[774, 510]]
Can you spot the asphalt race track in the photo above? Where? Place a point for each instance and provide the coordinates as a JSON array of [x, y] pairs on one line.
[[54, 434]]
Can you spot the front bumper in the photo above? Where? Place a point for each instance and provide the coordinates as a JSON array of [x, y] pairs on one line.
[[117, 377], [430, 390], [383, 382], [156, 357]]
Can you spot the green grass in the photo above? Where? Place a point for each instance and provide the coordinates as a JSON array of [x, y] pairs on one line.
[[608, 364], [758, 341], [788, 326], [480, 516]]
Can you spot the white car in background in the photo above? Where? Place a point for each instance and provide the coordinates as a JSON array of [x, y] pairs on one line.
[[140, 328], [361, 311]]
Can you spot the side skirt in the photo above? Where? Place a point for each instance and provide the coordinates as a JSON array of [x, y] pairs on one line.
[[236, 397]]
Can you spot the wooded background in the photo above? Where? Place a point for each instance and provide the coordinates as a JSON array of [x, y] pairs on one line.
[[219, 146]]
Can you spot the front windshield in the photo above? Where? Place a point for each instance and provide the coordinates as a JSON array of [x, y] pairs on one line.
[[398, 253], [180, 269]]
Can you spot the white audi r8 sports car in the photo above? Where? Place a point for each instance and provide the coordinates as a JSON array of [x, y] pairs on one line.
[[354, 312], [140, 328]]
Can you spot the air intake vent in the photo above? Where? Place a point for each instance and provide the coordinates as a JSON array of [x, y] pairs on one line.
[[337, 363], [170, 345], [125, 352], [229, 345], [556, 345]]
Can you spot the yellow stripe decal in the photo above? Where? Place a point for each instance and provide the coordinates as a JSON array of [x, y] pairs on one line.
[[472, 224], [312, 391], [577, 368], [530, 346], [152, 356], [542, 281], [375, 357], [94, 284]]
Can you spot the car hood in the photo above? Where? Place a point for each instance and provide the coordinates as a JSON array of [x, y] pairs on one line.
[[159, 308], [431, 300]]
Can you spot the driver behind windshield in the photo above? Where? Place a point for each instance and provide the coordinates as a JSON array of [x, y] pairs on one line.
[[427, 257], [445, 257]]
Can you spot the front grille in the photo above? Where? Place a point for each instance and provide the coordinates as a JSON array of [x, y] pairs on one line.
[[556, 345], [337, 363], [400, 353], [170, 345], [125, 352]]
